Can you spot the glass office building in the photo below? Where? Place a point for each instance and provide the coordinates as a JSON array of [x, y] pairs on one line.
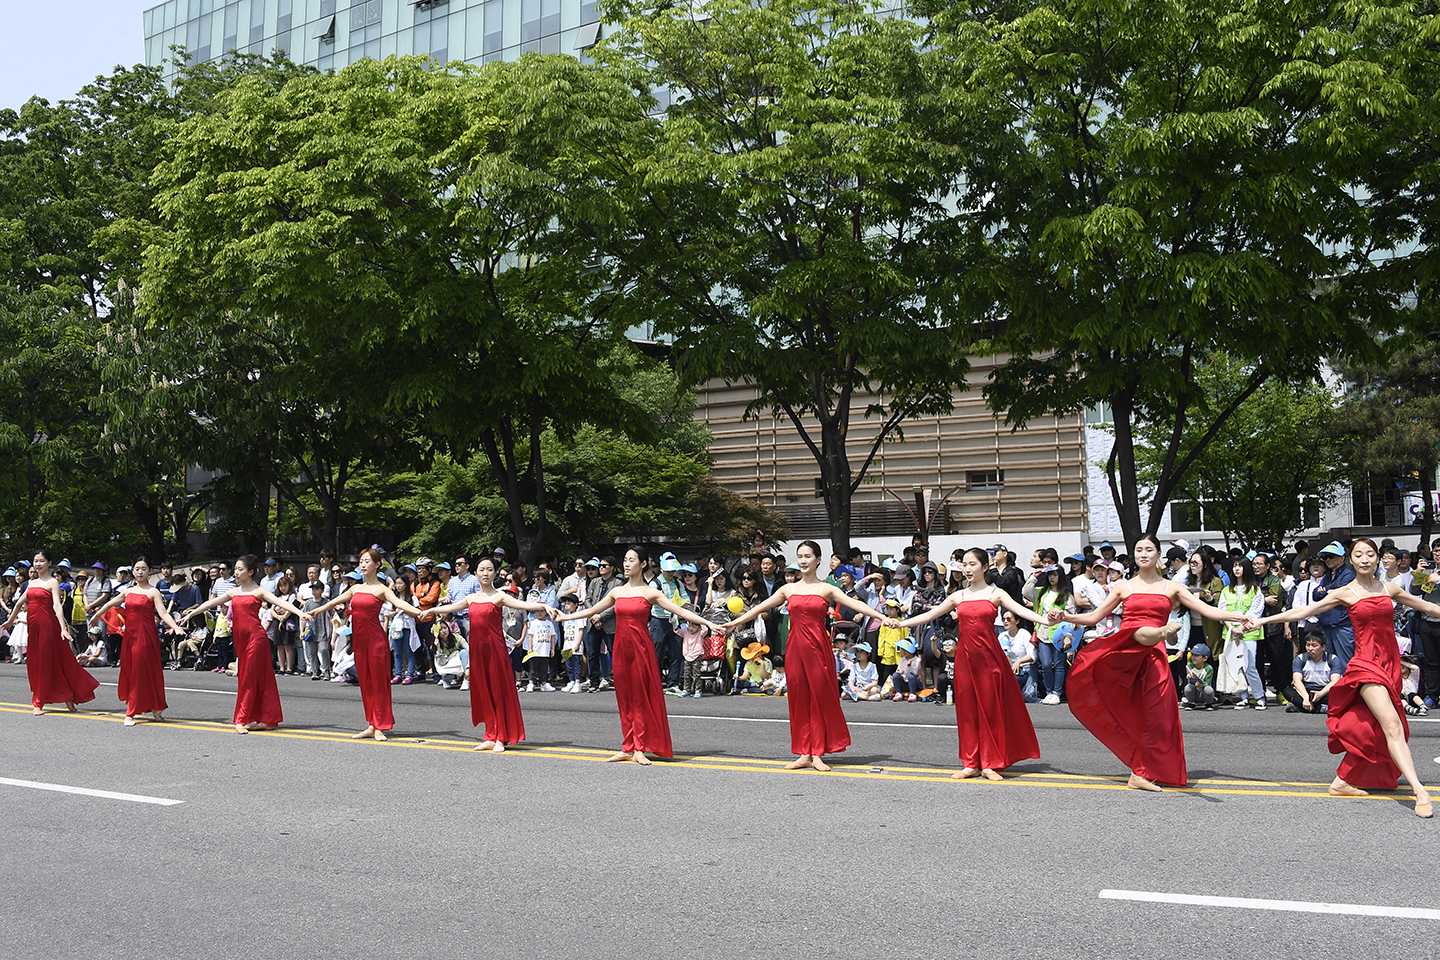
[[335, 33]]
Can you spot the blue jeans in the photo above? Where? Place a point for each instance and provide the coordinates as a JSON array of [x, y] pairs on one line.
[[574, 666], [596, 640], [667, 650], [1053, 665], [1340, 642], [401, 654]]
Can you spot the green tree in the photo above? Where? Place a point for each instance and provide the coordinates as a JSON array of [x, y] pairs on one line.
[[1159, 183], [778, 222], [1389, 424], [1272, 452], [418, 220]]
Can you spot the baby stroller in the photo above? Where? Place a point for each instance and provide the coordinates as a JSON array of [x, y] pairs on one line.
[[714, 673]]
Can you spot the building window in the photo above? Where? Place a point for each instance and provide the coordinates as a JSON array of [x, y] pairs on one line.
[[819, 489], [1099, 414], [232, 28], [1377, 503], [257, 20], [588, 36], [977, 481], [325, 29], [327, 8], [283, 18]]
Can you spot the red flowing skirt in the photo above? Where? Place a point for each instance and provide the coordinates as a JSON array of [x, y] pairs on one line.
[[141, 683], [258, 698], [493, 700], [990, 717], [812, 688], [50, 664], [644, 724], [372, 660]]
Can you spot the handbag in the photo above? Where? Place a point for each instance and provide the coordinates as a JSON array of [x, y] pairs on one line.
[[713, 646]]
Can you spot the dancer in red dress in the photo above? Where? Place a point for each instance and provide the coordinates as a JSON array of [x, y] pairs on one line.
[[257, 701], [644, 724], [142, 672], [1120, 687], [369, 642], [493, 699], [1366, 720], [812, 689], [55, 676], [990, 716]]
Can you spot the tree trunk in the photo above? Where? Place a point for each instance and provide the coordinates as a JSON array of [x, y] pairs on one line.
[[1120, 469], [149, 517], [835, 481], [529, 546]]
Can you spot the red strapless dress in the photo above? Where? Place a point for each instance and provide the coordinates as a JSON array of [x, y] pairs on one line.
[[54, 675], [1123, 694], [643, 721], [493, 700], [372, 659], [258, 698], [142, 675], [990, 715], [1353, 728], [812, 688]]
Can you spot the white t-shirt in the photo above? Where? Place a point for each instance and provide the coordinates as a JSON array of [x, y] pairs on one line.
[[1018, 647]]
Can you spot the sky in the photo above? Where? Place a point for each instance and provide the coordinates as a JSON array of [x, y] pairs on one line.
[[52, 49]]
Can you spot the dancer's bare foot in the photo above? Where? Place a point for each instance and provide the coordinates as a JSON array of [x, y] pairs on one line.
[[1339, 788], [639, 757], [241, 728], [1137, 782], [380, 735], [129, 721], [485, 745], [499, 747], [622, 755], [39, 711], [800, 763], [365, 734], [820, 765], [991, 775], [1422, 805], [70, 705], [261, 726], [965, 774], [157, 717]]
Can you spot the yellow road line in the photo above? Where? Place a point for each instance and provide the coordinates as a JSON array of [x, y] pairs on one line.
[[1071, 781]]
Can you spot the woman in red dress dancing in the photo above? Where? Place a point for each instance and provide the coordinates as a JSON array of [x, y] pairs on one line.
[[812, 689], [369, 642], [257, 701], [55, 676], [1365, 718], [493, 700], [1120, 687], [990, 716], [644, 725], [142, 673]]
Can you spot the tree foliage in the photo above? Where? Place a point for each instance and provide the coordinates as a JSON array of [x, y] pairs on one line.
[[1274, 450], [778, 222]]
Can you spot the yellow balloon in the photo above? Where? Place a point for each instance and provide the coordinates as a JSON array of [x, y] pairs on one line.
[[735, 604]]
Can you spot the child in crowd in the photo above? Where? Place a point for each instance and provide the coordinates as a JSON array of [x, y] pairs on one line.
[[774, 685], [1410, 688], [842, 660], [571, 651], [945, 679], [1199, 680], [95, 654], [907, 676], [449, 658], [692, 649], [343, 662], [1312, 676], [864, 680], [1019, 646], [755, 669], [540, 647], [888, 640]]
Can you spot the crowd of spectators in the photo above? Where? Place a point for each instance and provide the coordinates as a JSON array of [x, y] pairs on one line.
[[1214, 665]]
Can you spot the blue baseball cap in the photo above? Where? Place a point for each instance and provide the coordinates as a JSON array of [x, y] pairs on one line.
[[1200, 650], [10, 572], [410, 566], [862, 645], [593, 562], [355, 575], [1076, 558], [907, 645], [270, 562], [668, 563], [1334, 548], [443, 566], [850, 569], [689, 568], [64, 564]]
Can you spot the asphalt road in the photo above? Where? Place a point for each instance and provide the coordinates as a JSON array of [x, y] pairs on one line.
[[303, 843]]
